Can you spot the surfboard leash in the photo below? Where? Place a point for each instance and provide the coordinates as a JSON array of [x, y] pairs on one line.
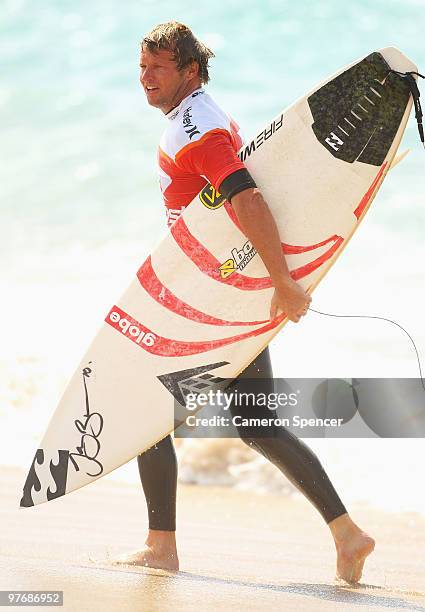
[[328, 314], [414, 90]]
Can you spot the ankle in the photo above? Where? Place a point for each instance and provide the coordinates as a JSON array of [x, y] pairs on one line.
[[343, 527], [161, 539]]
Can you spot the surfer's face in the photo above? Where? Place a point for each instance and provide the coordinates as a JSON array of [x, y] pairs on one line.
[[164, 84]]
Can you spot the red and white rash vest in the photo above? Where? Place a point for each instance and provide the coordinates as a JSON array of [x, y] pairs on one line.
[[199, 145]]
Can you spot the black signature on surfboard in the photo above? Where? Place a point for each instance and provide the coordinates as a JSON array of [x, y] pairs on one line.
[[90, 428]]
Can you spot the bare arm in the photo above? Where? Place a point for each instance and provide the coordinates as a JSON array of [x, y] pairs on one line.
[[259, 226]]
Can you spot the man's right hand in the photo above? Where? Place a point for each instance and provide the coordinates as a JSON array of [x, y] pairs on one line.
[[290, 298], [258, 224]]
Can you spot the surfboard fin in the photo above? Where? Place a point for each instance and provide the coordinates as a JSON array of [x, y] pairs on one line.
[[398, 158]]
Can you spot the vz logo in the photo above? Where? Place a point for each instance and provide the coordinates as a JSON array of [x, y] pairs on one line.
[[211, 198], [334, 141]]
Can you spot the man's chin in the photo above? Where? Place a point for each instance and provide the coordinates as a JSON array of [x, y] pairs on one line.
[[152, 101], [155, 102]]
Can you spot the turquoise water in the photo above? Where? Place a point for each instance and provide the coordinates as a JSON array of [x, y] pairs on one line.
[[78, 139], [80, 204]]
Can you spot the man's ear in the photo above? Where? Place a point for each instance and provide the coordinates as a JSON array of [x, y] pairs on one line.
[[193, 69]]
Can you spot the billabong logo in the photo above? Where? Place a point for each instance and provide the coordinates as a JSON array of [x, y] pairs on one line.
[[239, 260], [211, 198], [130, 328], [44, 473], [334, 141]]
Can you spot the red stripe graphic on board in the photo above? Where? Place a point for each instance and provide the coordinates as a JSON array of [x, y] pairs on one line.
[[292, 249], [151, 283], [208, 264], [316, 263], [167, 347], [365, 200]]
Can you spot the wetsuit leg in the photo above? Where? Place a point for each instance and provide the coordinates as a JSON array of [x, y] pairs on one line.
[[158, 465], [291, 455], [158, 473]]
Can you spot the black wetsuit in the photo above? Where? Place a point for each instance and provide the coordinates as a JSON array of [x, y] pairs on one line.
[[158, 465]]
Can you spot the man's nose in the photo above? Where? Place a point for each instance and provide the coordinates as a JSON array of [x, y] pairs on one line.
[[144, 75]]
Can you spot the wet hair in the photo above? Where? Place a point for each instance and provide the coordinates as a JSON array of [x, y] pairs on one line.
[[186, 48]]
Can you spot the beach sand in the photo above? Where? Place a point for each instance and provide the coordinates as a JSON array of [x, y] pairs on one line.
[[238, 550]]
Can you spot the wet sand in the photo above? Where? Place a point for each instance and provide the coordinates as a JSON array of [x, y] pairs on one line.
[[237, 551]]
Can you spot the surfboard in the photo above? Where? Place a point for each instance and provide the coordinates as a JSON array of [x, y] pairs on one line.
[[197, 311]]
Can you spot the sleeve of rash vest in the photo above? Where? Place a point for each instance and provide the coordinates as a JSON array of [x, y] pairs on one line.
[[214, 157]]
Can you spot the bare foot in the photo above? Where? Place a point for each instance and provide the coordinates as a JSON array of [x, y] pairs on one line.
[[159, 552], [351, 556], [352, 546], [149, 557]]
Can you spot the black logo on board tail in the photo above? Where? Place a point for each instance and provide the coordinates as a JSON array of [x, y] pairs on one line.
[[58, 472], [357, 114], [193, 380]]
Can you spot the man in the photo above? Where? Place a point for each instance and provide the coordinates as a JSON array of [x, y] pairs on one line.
[[199, 145]]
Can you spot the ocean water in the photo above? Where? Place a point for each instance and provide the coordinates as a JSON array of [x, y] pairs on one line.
[[80, 209]]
